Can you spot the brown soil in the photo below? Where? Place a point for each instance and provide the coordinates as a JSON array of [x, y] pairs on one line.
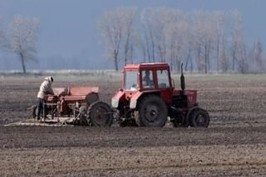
[[233, 145]]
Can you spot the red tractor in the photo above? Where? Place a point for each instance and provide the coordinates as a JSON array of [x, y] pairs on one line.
[[148, 98]]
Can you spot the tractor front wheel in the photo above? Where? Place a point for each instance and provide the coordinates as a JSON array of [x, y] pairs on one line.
[[152, 112], [199, 118], [100, 114]]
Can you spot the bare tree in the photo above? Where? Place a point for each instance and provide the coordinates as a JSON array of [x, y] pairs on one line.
[[112, 34], [204, 27], [129, 33], [149, 34], [154, 21], [23, 36], [219, 38], [224, 59], [239, 48], [176, 35], [257, 57], [117, 28]]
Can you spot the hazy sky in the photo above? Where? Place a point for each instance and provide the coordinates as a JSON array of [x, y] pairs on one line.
[[69, 32]]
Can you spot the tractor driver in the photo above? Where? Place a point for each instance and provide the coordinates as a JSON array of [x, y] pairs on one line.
[[45, 89], [146, 80]]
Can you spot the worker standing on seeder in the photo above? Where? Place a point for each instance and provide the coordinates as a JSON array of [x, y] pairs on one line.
[[45, 89]]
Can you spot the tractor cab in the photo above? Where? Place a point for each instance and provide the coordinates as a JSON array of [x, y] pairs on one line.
[[150, 76], [140, 80]]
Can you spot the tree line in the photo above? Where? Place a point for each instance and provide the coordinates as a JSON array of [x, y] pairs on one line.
[[205, 41]]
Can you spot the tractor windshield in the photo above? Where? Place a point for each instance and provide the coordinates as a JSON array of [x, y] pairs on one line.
[[131, 80]]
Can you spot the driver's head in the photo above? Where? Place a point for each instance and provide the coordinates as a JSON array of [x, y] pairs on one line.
[[147, 73]]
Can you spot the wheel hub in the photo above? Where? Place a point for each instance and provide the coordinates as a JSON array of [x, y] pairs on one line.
[[151, 113], [200, 119], [100, 115]]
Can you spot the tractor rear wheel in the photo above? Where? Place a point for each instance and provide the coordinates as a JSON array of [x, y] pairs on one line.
[[152, 112], [100, 114], [199, 118]]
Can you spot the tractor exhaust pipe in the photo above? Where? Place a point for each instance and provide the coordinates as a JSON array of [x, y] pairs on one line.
[[182, 79]]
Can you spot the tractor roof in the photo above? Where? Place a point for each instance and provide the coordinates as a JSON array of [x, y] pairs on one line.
[[146, 66]]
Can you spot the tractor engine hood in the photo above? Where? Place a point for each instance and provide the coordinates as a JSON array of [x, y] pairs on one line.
[[190, 94]]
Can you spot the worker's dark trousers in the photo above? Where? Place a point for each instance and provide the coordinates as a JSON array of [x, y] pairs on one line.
[[40, 107]]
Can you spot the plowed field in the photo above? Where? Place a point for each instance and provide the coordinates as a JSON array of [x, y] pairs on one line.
[[233, 145]]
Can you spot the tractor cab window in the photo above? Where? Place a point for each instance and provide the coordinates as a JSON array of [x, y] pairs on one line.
[[163, 79], [131, 80], [147, 79]]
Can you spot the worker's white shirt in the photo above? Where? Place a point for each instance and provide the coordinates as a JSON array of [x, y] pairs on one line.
[[45, 89]]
